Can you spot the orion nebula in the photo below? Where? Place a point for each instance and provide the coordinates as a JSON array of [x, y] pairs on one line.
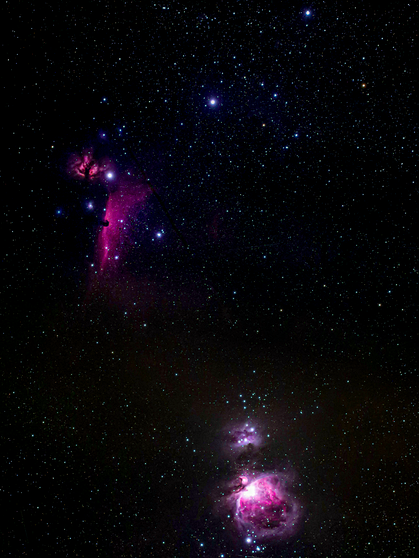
[[258, 503], [261, 507], [264, 508]]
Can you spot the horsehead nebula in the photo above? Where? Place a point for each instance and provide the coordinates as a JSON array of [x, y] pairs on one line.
[[123, 204], [126, 195]]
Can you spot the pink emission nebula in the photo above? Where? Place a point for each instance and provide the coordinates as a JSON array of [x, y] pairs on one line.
[[121, 209], [259, 505], [264, 508], [127, 195]]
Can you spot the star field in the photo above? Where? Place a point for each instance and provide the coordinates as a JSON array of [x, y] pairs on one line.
[[210, 280]]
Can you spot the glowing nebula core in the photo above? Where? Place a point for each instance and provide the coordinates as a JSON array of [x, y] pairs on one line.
[[266, 510]]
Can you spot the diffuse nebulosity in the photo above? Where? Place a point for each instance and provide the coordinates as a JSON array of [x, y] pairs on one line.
[[261, 503], [121, 207], [125, 195]]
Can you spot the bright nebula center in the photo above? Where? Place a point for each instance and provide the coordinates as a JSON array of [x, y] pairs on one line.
[[264, 508]]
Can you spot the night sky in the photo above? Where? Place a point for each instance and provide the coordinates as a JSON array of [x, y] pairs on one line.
[[210, 280]]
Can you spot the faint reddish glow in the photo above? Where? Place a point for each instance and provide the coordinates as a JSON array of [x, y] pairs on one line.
[[110, 279]]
